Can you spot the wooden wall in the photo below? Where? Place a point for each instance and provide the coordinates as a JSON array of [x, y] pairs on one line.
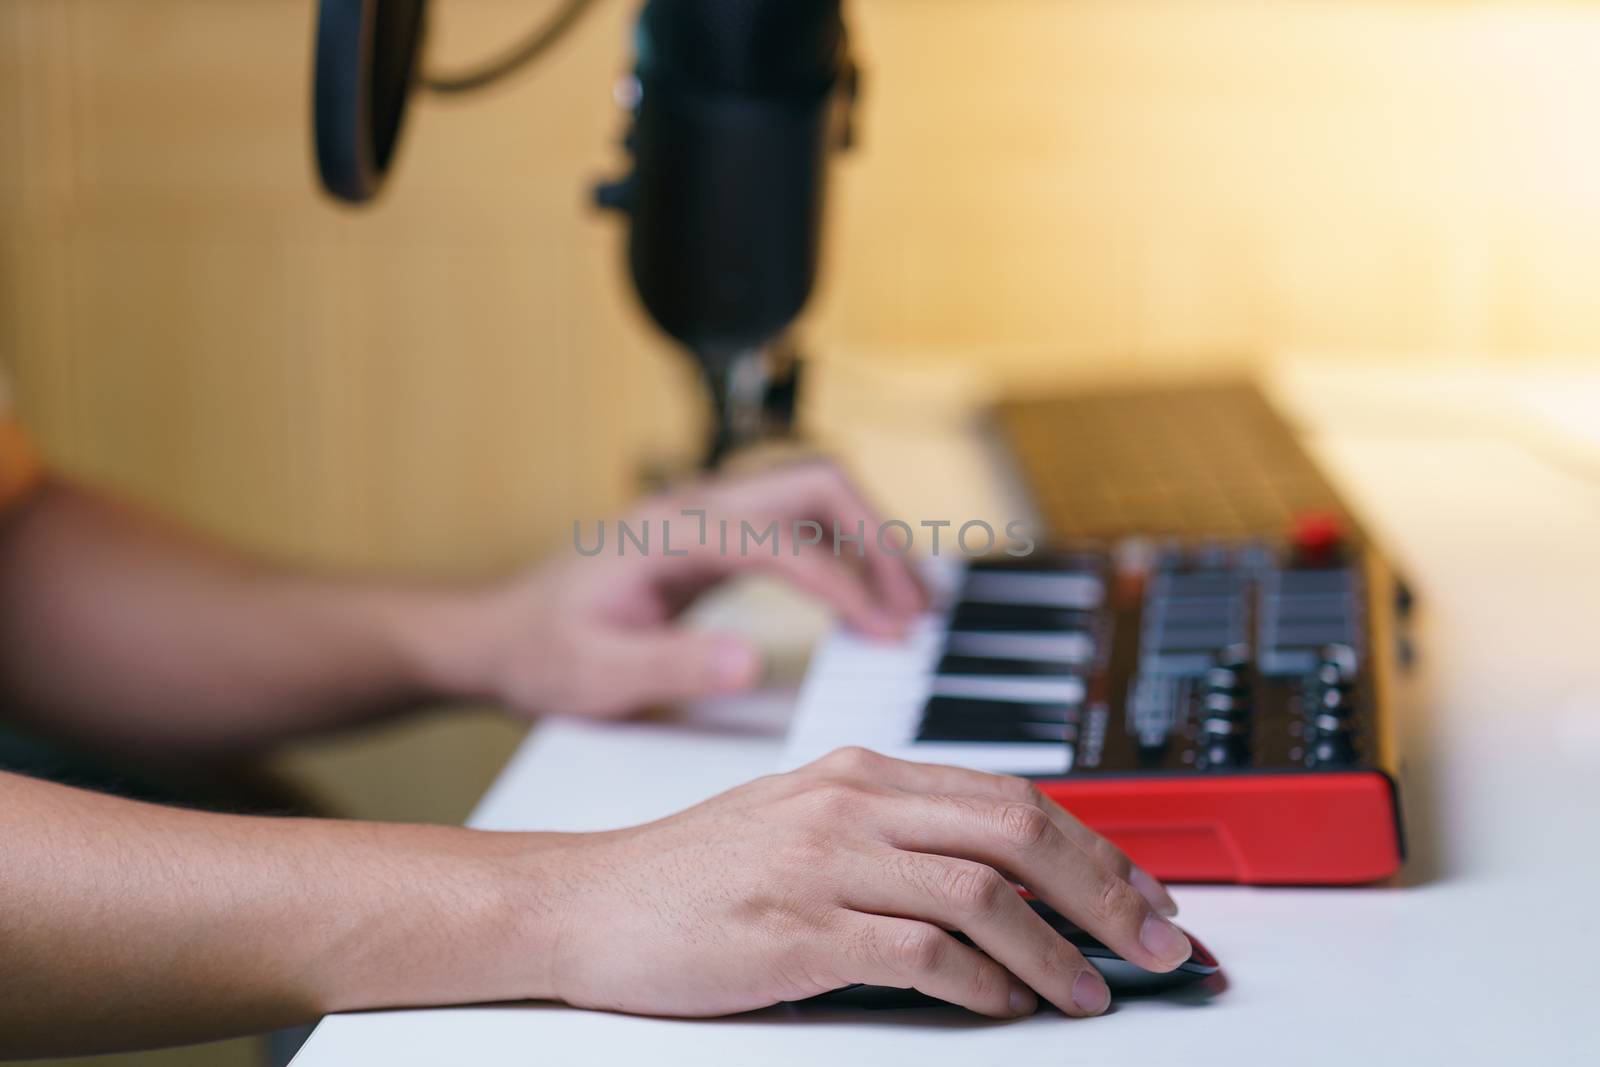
[[190, 318], [1172, 180]]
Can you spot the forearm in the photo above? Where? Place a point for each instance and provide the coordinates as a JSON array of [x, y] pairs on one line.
[[124, 924], [129, 634]]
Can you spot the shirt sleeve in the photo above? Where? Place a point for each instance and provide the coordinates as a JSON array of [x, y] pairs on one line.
[[20, 470]]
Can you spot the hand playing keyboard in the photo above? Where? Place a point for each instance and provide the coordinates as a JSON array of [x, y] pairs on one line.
[[597, 635]]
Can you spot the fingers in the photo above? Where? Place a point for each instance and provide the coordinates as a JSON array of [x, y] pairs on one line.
[[1152, 890], [836, 498], [977, 900], [820, 492], [908, 954], [937, 778], [1022, 841], [811, 568], [629, 670], [839, 586]]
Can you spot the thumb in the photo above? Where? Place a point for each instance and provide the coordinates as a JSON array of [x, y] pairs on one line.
[[679, 664]]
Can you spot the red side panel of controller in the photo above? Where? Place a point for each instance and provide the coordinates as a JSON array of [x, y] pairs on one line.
[[1266, 829]]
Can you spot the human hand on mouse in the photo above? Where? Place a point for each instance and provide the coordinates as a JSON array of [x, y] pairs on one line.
[[851, 869], [597, 635]]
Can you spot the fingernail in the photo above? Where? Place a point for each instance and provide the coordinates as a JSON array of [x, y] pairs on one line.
[[734, 665], [1153, 891], [1023, 1002], [1090, 994], [1164, 941]]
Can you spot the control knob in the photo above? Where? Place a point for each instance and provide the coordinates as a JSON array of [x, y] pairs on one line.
[[1225, 742], [1332, 740]]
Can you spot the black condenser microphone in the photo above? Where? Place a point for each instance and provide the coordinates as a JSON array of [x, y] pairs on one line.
[[736, 104]]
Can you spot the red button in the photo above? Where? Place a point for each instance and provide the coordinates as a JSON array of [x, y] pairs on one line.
[[1316, 535]]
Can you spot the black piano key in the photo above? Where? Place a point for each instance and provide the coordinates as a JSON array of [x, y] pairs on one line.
[[999, 731], [972, 615], [1065, 562], [1043, 733], [964, 719], [988, 706], [956, 664]]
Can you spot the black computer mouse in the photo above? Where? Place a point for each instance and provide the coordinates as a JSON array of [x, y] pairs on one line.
[[1122, 978]]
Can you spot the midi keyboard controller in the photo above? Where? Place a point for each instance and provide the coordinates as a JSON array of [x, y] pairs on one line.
[[1205, 664]]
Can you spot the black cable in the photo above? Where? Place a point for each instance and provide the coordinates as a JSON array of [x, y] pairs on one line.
[[536, 44]]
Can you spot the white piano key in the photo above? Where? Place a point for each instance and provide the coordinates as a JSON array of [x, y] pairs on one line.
[[993, 757], [872, 693], [994, 687], [941, 579], [834, 712], [854, 655], [1075, 648], [1084, 592]]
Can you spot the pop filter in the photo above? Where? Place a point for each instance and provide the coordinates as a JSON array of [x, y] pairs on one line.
[[366, 65]]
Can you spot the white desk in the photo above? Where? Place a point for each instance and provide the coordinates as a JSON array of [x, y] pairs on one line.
[[1489, 954]]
